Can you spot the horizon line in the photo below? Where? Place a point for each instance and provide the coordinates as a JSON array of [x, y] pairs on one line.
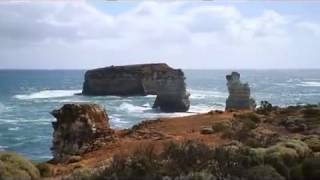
[[40, 69]]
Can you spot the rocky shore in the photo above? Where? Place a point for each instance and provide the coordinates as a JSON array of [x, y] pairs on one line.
[[280, 139], [243, 142]]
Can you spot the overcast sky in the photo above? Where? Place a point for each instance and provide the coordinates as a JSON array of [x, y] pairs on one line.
[[188, 34]]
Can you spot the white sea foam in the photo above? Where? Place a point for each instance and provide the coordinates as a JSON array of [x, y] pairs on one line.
[[202, 108], [20, 120], [202, 94], [146, 105], [309, 84], [14, 129], [2, 108], [2, 148], [47, 94], [132, 108]]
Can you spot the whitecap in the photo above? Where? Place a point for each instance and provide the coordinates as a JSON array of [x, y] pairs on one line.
[[47, 94], [151, 96], [202, 108], [21, 120], [310, 84], [69, 101], [146, 105], [3, 108], [166, 115], [14, 129], [132, 108], [203, 94], [117, 122], [3, 148]]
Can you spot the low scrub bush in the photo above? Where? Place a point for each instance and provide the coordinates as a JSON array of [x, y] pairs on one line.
[[15, 167]]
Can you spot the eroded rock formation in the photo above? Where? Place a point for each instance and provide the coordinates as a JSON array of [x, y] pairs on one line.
[[142, 79], [239, 94], [79, 128], [172, 102]]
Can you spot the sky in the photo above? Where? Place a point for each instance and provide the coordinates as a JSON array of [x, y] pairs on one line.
[[184, 34]]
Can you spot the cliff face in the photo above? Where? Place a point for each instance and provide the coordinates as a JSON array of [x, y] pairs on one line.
[[132, 80], [142, 79], [239, 94], [79, 128]]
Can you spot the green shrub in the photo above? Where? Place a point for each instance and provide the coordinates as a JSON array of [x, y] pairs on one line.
[[13, 166], [249, 115], [187, 157], [84, 174], [285, 155], [144, 164], [44, 169], [311, 112], [221, 126], [230, 160], [296, 173], [265, 107], [311, 169], [263, 172]]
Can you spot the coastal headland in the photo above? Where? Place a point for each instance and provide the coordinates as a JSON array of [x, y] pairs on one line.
[[267, 142]]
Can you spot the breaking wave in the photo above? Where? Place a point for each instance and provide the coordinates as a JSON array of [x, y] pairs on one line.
[[310, 84], [46, 94], [132, 108], [202, 94]]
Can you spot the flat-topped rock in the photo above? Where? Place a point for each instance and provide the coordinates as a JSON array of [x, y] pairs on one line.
[[239, 94], [141, 79], [79, 128]]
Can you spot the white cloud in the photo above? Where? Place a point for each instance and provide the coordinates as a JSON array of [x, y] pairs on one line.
[[76, 35]]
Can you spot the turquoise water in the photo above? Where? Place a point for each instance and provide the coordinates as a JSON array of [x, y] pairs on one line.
[[27, 97]]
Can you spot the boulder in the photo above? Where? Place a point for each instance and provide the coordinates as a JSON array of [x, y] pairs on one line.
[[239, 94], [79, 128], [206, 130]]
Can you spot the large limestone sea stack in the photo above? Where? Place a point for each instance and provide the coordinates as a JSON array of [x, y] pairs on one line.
[[239, 94], [142, 79]]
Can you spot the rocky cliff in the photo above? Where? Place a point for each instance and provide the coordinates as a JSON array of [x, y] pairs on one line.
[[141, 79], [239, 94], [79, 128], [131, 80]]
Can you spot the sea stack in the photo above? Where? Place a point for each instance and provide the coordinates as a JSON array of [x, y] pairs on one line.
[[141, 79], [79, 128], [239, 94]]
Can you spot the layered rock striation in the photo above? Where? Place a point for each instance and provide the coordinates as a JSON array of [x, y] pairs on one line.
[[79, 128], [142, 79], [239, 94]]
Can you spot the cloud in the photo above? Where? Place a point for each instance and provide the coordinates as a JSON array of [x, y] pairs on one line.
[[77, 35], [36, 22]]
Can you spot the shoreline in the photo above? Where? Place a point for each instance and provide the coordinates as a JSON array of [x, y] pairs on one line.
[[211, 128]]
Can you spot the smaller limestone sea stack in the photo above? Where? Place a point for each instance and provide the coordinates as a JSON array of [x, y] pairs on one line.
[[239, 94], [79, 128]]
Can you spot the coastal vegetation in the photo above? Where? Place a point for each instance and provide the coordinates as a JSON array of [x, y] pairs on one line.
[[257, 146], [16, 167]]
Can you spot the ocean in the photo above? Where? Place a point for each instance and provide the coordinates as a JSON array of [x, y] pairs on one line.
[[27, 97]]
